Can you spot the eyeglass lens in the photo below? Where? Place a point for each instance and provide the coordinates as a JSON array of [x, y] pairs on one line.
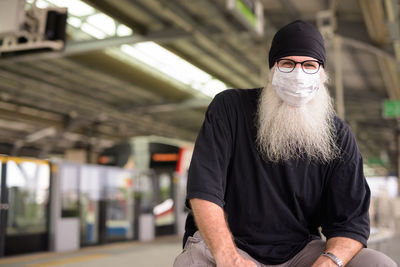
[[308, 66]]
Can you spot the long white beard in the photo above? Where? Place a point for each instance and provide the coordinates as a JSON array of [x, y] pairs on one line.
[[288, 132]]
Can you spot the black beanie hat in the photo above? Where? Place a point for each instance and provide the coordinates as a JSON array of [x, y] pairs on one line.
[[298, 38]]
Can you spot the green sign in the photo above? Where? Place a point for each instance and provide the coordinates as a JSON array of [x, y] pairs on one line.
[[375, 161], [246, 12], [391, 108], [249, 12]]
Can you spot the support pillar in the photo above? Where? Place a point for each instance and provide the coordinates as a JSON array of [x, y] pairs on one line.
[[398, 163], [339, 93]]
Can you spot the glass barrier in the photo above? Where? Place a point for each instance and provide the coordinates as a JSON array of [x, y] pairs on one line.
[[69, 177], [164, 210], [120, 204], [144, 192], [28, 192], [91, 190]]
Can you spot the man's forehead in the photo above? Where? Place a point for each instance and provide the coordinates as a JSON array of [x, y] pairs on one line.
[[299, 58]]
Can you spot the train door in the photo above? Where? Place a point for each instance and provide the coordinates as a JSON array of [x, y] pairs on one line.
[[91, 207], [164, 209], [106, 204], [3, 206], [164, 160], [119, 213], [24, 206]]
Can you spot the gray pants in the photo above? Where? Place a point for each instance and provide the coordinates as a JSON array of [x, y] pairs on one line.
[[196, 253]]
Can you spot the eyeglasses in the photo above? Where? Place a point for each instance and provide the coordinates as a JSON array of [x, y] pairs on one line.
[[308, 66]]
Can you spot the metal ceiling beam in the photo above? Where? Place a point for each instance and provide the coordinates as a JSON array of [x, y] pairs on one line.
[[374, 19], [339, 92], [392, 11], [188, 104], [377, 26], [70, 123], [105, 81], [48, 78], [163, 36], [240, 41], [32, 137], [385, 62], [390, 77], [88, 108], [79, 47], [69, 87], [208, 62], [366, 78], [365, 47], [24, 125]]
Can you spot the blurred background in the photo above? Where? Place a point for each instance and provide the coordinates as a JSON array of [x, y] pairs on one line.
[[101, 102]]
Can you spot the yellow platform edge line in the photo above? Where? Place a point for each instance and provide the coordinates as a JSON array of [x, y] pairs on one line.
[[69, 260], [43, 255], [17, 259]]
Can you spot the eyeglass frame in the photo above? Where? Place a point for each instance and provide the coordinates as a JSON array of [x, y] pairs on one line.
[[301, 64]]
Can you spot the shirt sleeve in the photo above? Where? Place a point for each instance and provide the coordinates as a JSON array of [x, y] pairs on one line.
[[208, 168], [347, 195]]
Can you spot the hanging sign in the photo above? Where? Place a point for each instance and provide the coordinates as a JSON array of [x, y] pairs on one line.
[[391, 109], [249, 12]]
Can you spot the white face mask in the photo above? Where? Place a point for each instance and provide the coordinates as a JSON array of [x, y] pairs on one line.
[[297, 87]]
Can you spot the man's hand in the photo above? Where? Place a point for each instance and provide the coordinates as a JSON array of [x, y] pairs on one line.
[[210, 220], [235, 261], [323, 261]]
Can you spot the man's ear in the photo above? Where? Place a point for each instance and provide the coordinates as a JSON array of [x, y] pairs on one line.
[[271, 72]]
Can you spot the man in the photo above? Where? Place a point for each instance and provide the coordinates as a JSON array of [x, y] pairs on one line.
[[272, 165]]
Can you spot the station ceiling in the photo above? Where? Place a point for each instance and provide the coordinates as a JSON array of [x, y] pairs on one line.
[[95, 93]]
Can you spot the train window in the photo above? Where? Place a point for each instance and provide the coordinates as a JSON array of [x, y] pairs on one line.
[[1, 166], [28, 191], [165, 186], [119, 204], [91, 190], [145, 192], [164, 210], [69, 178]]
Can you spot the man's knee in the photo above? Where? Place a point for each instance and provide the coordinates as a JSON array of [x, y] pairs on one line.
[[195, 253], [182, 260], [369, 257]]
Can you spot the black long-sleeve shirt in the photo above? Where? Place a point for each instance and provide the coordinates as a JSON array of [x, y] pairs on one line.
[[274, 209]]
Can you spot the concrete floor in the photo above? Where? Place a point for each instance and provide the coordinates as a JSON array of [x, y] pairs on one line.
[[160, 252]]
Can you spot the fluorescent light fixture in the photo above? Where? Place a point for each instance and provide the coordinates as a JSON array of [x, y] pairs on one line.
[[100, 26], [212, 87], [93, 31], [163, 60], [103, 23], [42, 4], [74, 21], [123, 30], [75, 7]]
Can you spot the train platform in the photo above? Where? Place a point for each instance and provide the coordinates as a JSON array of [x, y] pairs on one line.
[[157, 253], [160, 252]]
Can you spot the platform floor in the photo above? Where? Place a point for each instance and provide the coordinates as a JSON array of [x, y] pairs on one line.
[[160, 252]]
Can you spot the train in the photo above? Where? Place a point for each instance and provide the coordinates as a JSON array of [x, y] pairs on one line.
[[136, 191]]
